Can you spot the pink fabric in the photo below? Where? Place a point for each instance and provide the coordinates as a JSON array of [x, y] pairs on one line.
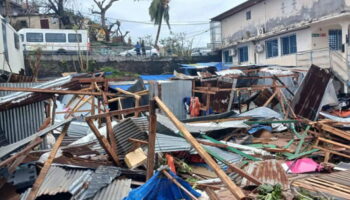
[[303, 165]]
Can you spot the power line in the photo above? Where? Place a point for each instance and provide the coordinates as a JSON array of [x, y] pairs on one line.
[[189, 23]]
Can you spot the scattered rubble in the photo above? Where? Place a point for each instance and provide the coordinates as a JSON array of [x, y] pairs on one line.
[[209, 134]]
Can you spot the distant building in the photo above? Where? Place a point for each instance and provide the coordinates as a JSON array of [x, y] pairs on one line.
[[12, 7], [285, 32], [42, 21], [11, 50]]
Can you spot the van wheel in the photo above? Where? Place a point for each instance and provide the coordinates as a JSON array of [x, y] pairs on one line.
[[128, 55], [61, 52]]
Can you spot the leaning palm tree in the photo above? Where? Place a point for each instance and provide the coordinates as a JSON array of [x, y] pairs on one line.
[[158, 10]]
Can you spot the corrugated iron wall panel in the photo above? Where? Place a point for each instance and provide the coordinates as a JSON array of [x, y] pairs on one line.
[[173, 93], [21, 122]]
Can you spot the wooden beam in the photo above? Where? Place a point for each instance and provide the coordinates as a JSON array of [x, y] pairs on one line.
[[120, 112], [335, 131], [235, 190], [212, 195], [109, 128], [53, 91], [30, 146], [172, 179], [47, 164], [151, 138], [103, 141]]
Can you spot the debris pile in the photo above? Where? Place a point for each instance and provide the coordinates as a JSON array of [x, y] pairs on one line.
[[260, 132]]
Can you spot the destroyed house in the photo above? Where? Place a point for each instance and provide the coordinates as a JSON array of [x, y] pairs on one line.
[[285, 32]]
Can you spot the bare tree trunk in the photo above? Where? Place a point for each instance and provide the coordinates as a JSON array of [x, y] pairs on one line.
[[158, 32]]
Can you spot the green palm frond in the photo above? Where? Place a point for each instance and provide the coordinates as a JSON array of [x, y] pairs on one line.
[[159, 11]]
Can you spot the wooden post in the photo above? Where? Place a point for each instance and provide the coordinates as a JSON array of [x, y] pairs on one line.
[[47, 164], [110, 134], [151, 138], [103, 141], [232, 94], [235, 190], [270, 99]]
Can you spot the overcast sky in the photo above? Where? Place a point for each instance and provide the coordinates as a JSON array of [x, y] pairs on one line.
[[181, 11]]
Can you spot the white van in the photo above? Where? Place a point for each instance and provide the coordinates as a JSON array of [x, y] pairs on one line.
[[61, 41]]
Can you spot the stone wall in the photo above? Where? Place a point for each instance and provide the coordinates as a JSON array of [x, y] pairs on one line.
[[54, 66]]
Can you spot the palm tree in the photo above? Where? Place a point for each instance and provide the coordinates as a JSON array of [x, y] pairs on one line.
[[158, 10]]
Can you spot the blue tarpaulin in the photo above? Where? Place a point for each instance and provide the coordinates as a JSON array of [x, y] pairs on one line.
[[219, 66], [162, 77], [160, 187]]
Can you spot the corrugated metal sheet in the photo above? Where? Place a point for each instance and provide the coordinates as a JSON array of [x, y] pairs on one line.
[[228, 156], [200, 127], [172, 94], [166, 143], [268, 171], [117, 190], [12, 147], [21, 122], [59, 180], [102, 177], [23, 95], [16, 85], [129, 129]]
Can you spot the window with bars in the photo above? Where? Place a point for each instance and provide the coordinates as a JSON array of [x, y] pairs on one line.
[[335, 39]]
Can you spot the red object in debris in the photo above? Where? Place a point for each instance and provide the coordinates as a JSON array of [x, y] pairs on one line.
[[303, 165], [343, 113], [170, 161], [195, 107]]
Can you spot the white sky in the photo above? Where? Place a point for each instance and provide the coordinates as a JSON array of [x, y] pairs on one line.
[[181, 11]]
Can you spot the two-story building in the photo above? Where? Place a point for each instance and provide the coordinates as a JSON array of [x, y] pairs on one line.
[[285, 32]]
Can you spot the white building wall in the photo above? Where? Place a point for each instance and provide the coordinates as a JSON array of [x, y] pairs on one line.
[[16, 58], [276, 14]]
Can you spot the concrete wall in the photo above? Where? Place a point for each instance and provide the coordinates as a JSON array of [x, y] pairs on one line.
[[54, 66], [16, 60], [277, 14]]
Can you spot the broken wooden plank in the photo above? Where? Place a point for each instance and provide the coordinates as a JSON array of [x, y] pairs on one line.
[[119, 112], [47, 164], [172, 179], [234, 189], [103, 141], [54, 91]]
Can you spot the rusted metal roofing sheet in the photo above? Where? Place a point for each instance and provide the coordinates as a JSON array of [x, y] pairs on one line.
[[268, 171], [307, 101], [117, 190], [336, 184]]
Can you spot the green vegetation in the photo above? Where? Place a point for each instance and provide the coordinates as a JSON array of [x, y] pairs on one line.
[[269, 192], [116, 73]]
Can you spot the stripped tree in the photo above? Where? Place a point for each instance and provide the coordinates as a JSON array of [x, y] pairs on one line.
[[103, 6]]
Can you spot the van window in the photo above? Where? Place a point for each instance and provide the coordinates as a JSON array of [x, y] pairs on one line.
[[72, 37], [34, 37], [22, 37], [16, 40], [55, 37]]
